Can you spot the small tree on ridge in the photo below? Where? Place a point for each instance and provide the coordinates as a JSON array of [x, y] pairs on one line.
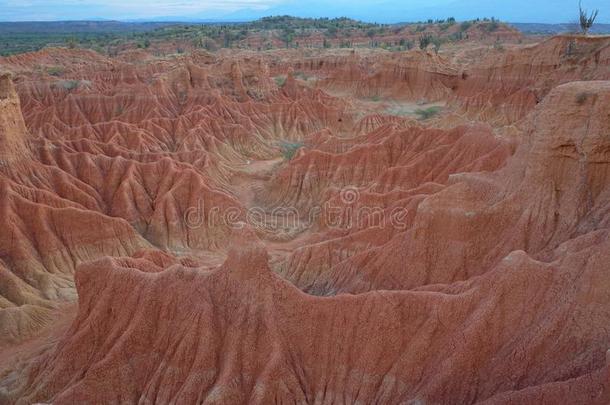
[[586, 22]]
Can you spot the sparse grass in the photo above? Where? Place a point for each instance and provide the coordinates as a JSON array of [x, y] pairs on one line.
[[582, 97], [71, 84], [68, 84], [55, 70], [399, 111], [301, 75], [376, 98], [280, 81], [498, 46], [427, 113], [290, 148]]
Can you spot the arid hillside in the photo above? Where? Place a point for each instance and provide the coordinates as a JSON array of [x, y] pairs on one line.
[[315, 225]]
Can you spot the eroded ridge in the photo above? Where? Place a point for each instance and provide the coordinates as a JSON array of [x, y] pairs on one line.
[[332, 228]]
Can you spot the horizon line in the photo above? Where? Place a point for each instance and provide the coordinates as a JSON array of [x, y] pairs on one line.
[[162, 20]]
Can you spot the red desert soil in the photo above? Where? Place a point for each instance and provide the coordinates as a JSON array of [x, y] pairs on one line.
[[285, 227]]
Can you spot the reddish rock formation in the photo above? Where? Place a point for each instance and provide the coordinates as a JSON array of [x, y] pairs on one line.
[[553, 190], [496, 86], [13, 134], [504, 88], [217, 219], [239, 334]]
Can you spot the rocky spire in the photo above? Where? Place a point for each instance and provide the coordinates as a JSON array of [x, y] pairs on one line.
[[13, 132]]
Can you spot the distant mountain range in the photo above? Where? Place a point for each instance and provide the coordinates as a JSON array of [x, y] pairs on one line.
[[63, 27], [550, 29]]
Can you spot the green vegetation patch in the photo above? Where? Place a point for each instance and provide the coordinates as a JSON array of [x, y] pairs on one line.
[[71, 84], [427, 113], [280, 81], [290, 148], [109, 37], [55, 70]]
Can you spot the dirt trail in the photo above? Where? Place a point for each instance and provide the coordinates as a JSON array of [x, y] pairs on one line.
[[251, 177], [279, 235]]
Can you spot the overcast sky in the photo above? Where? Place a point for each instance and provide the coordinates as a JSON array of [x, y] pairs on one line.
[[372, 10]]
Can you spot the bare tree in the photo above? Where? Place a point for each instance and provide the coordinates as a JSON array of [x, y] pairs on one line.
[[586, 22]]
